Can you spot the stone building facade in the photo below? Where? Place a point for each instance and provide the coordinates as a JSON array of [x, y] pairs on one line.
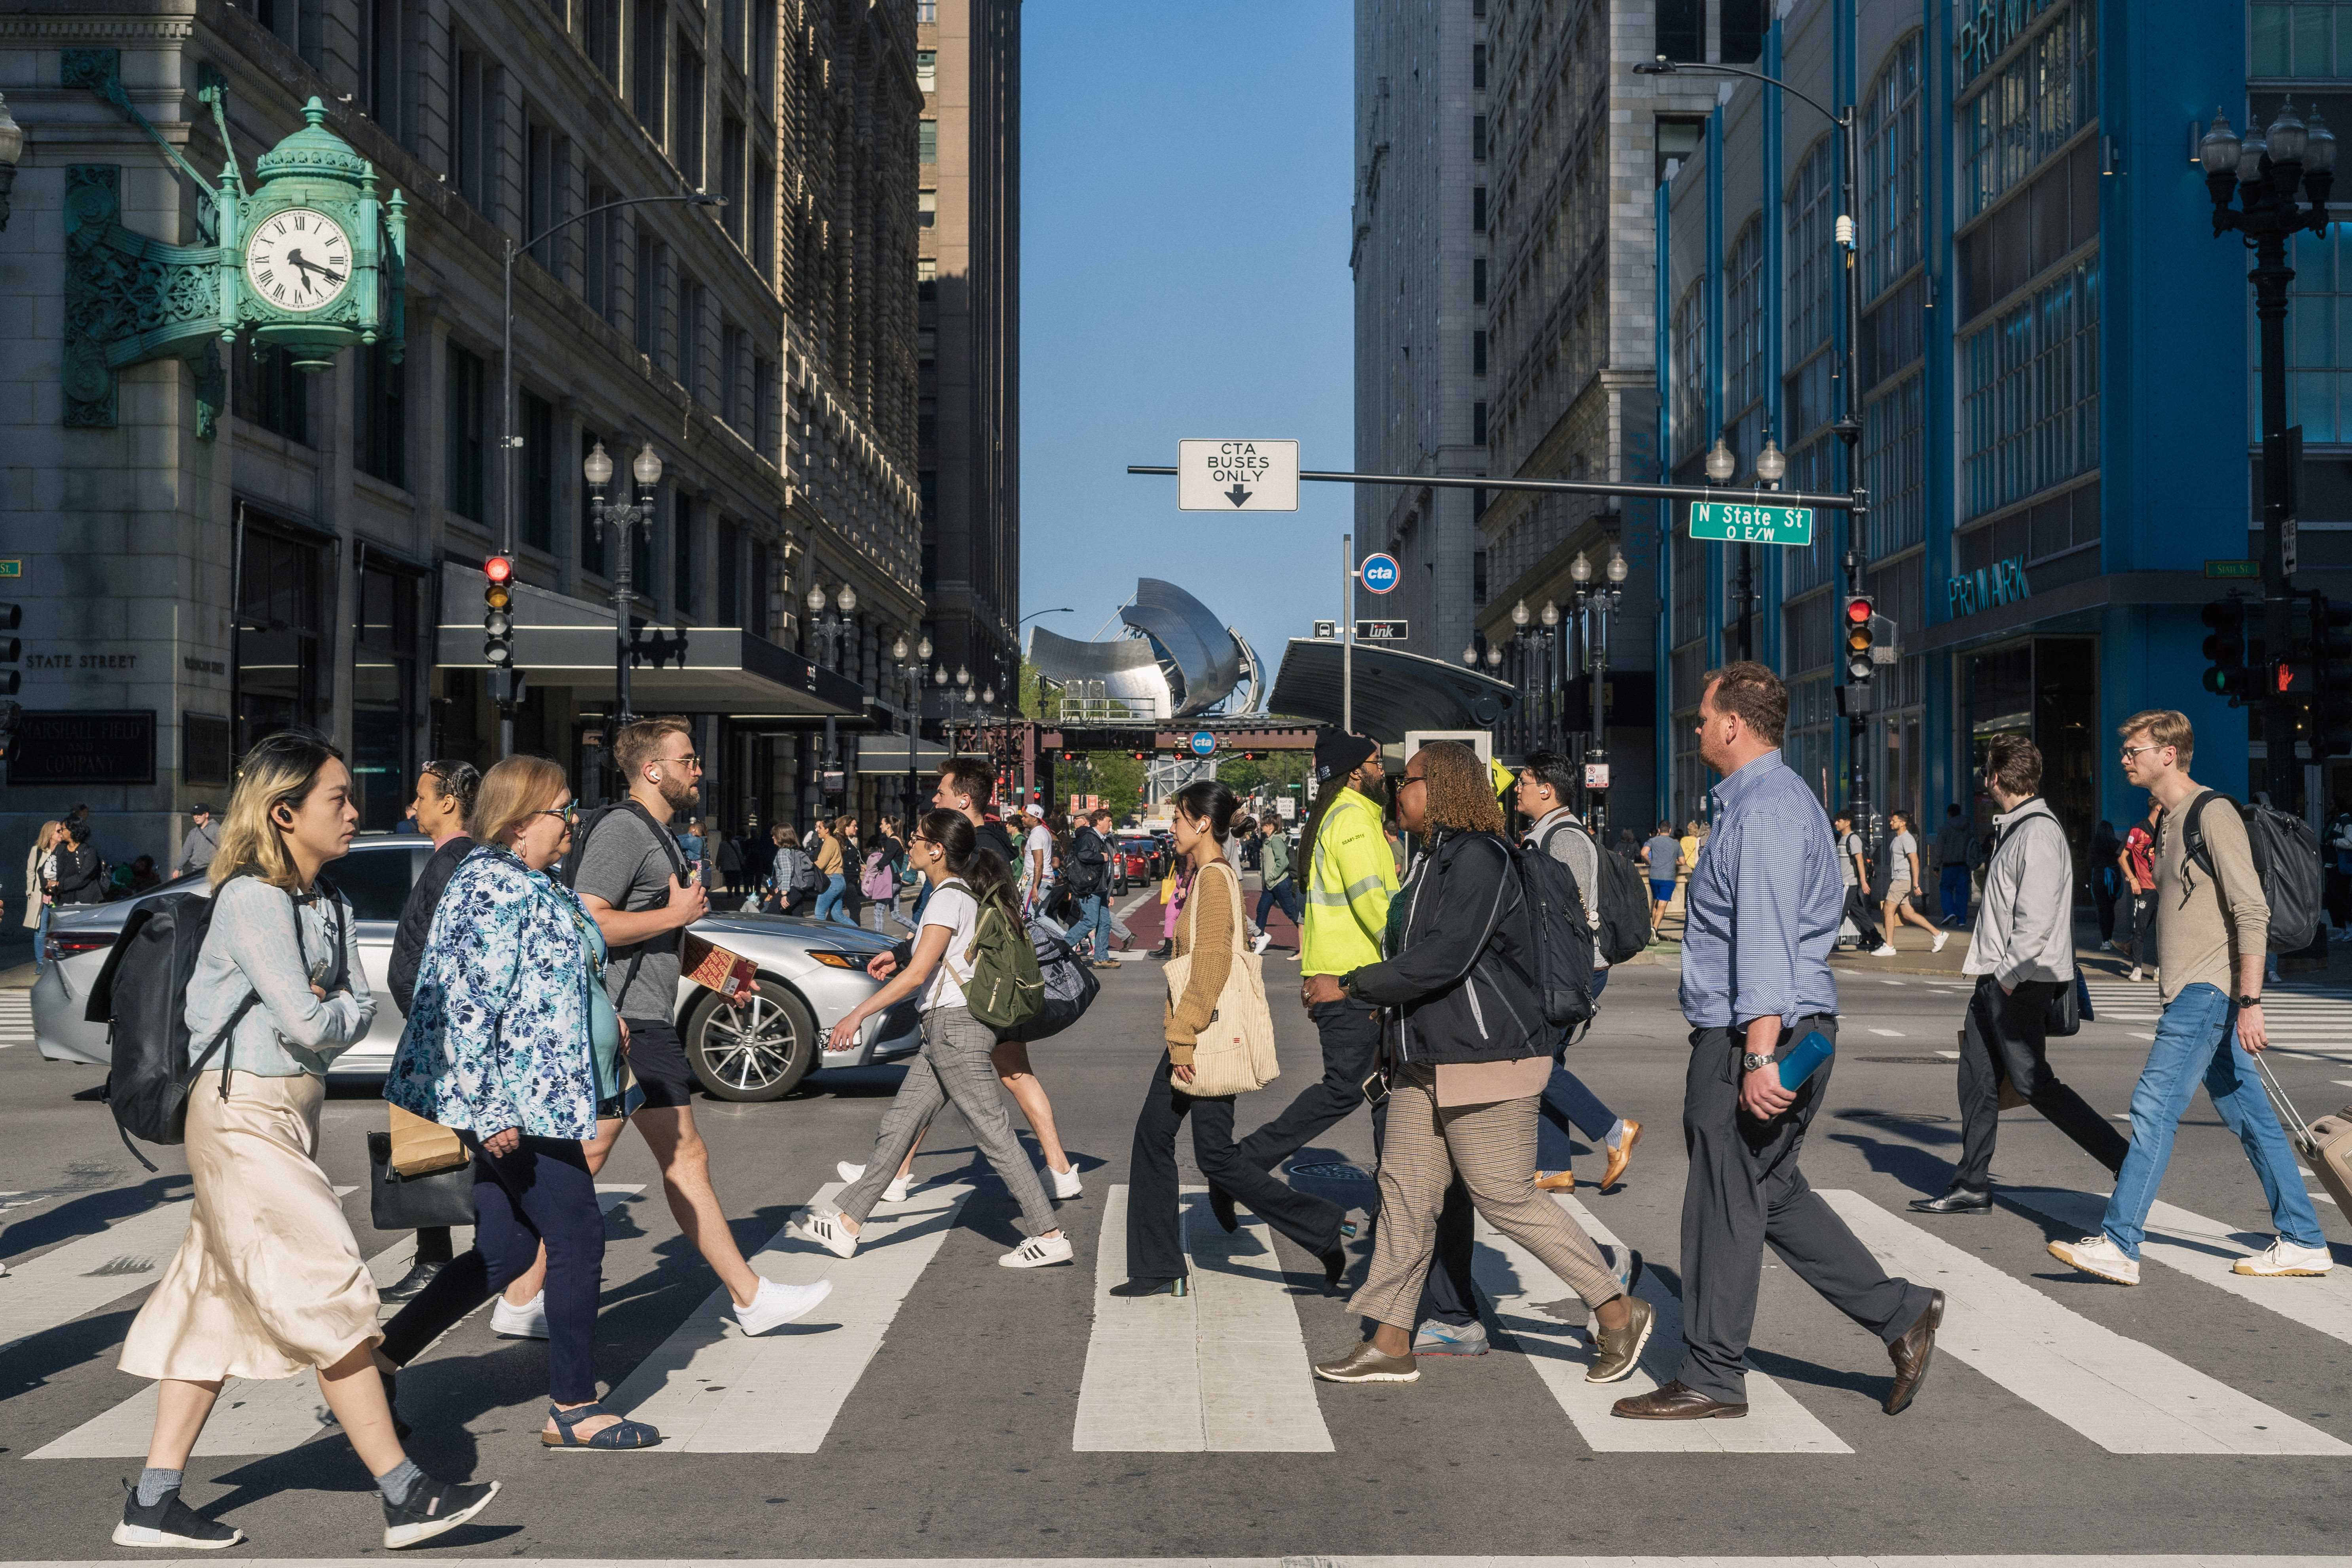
[[312, 557]]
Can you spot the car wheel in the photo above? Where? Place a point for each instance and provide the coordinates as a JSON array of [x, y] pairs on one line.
[[761, 1050]]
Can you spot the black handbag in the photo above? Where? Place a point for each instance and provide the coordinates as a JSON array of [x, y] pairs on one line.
[[413, 1202], [2068, 1009]]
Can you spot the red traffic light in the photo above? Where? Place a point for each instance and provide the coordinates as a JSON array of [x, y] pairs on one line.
[[1858, 610], [498, 569]]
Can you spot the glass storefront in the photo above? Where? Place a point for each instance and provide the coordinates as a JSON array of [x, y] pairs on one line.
[[384, 698], [2047, 689], [278, 624]]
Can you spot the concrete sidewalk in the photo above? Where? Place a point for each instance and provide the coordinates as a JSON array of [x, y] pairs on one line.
[[1913, 957]]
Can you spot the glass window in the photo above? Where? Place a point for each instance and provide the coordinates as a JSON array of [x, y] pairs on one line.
[[926, 69], [2033, 107], [1811, 235], [278, 622], [927, 208], [539, 472], [2319, 343], [379, 423], [2030, 393], [683, 595], [1743, 327], [1891, 199], [652, 61], [376, 876], [1690, 370], [927, 142], [685, 113], [1893, 467], [383, 699], [265, 389], [467, 443]]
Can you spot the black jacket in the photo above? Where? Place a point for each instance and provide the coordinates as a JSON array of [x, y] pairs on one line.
[[78, 876], [416, 920], [1460, 987]]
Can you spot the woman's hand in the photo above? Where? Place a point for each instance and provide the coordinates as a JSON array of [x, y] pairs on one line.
[[843, 1036], [1180, 1071], [502, 1142], [320, 994]]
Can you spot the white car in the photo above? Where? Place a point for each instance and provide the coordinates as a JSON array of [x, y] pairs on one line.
[[810, 973]]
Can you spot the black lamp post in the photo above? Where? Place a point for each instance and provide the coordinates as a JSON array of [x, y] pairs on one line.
[[1598, 604], [624, 518], [829, 628], [910, 674], [2264, 174]]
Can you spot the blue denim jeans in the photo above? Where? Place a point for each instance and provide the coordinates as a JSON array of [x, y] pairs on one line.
[[1956, 892], [1566, 1096], [829, 903], [2197, 1041], [1090, 936]]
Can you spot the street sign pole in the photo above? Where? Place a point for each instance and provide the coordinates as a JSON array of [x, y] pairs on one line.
[[1348, 632]]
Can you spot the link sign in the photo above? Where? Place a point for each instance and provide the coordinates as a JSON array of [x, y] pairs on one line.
[[1739, 523]]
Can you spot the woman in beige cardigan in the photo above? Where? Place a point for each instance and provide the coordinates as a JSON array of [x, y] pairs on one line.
[[1209, 933]]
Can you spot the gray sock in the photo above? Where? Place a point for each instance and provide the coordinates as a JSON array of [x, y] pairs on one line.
[[399, 1481], [154, 1485]]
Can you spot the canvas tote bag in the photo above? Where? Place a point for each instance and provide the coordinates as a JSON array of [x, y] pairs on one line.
[[1235, 1052]]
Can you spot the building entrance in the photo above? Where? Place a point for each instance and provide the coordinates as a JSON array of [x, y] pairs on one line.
[[2047, 689]]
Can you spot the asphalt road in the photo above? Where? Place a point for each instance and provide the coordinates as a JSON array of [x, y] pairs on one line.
[[957, 1439]]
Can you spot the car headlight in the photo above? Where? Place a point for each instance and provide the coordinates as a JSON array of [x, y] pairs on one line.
[[832, 960]]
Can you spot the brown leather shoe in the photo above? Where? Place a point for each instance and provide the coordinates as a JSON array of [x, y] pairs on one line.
[[1622, 1155], [1556, 1181], [1676, 1402], [1911, 1355], [1365, 1363]]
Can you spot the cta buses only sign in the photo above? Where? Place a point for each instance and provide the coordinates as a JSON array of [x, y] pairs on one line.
[[1238, 475], [1739, 523]]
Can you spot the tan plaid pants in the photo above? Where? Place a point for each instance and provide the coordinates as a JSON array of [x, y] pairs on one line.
[[1494, 1148]]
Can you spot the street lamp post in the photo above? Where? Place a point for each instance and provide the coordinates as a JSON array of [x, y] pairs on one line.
[[507, 441], [624, 518], [829, 626], [910, 674], [1598, 604], [2263, 171]]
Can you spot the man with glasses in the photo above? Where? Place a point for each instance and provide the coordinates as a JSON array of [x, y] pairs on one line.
[[2212, 938], [632, 878]]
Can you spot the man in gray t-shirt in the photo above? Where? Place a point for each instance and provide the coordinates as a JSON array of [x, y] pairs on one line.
[[1660, 856], [631, 869]]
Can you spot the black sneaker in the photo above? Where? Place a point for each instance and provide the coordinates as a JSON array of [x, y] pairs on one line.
[[172, 1523], [410, 1285], [432, 1507]]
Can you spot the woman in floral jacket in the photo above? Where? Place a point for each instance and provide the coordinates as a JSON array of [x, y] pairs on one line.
[[506, 1044]]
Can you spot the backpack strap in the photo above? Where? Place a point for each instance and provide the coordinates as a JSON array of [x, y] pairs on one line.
[[2192, 831]]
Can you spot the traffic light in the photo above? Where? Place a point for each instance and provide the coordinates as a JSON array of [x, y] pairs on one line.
[[498, 621], [1861, 631], [11, 648], [2225, 649]]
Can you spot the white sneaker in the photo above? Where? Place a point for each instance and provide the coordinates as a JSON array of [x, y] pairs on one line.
[[528, 1321], [2284, 1259], [778, 1303], [827, 1231], [1038, 1251], [2096, 1255], [895, 1193], [1066, 1183], [1941, 938], [2135, 974], [1263, 938], [1884, 949], [849, 1173]]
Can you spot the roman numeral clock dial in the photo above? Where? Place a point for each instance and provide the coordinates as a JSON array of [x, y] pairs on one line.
[[299, 260]]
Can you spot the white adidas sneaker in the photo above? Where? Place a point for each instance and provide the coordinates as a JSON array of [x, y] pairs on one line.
[[528, 1321], [827, 1231], [2283, 1259], [1038, 1251], [1066, 1183], [2096, 1255]]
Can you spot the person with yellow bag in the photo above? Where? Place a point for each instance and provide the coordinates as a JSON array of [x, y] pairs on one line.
[[1220, 1043]]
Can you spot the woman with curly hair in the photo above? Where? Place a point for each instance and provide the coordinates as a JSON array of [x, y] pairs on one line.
[[1468, 1057]]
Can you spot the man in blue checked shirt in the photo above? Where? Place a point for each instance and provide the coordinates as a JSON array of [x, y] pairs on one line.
[[1763, 907]]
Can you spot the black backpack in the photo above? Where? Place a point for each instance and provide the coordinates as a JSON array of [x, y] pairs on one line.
[[1085, 877], [1624, 900], [1561, 938], [142, 996], [2286, 862], [1070, 985]]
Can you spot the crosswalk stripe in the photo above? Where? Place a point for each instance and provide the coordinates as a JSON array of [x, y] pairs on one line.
[[2125, 1396], [15, 1018], [258, 1416], [2205, 1249], [85, 1274], [1224, 1369], [1514, 1281], [712, 1389]]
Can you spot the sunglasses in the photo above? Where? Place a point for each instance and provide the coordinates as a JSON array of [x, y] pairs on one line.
[[568, 814]]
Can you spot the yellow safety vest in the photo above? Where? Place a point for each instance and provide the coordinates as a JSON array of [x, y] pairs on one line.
[[1353, 877]]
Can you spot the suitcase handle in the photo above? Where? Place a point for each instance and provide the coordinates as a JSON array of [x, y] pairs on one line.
[[2300, 1130]]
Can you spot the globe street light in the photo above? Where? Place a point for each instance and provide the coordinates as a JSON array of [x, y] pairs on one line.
[[1599, 606], [624, 518]]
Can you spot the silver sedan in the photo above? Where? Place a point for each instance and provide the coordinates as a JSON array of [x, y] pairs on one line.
[[810, 973]]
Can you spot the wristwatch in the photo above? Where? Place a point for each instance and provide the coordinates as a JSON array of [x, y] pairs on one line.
[[1750, 1061], [2250, 1000]]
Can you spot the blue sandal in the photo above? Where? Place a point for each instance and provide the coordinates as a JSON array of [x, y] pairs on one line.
[[622, 1434]]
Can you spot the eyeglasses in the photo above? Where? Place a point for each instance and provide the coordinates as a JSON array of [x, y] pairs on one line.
[[2131, 752], [569, 814], [1398, 787], [695, 758]]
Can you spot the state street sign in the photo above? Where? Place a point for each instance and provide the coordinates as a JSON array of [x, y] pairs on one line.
[[1381, 572], [1741, 523], [1238, 475]]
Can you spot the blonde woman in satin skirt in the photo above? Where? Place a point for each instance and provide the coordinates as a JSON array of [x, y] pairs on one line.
[[269, 1282]]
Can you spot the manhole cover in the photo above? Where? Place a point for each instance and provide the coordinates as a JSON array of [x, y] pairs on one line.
[[1915, 1061], [1890, 1116], [1333, 1171]]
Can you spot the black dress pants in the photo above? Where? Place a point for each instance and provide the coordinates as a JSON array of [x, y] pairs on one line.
[[1864, 918], [1744, 1190], [2006, 1037], [1155, 1242]]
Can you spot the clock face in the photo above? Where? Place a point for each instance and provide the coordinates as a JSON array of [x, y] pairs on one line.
[[299, 259]]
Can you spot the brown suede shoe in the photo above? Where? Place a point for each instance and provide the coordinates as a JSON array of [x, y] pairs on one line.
[[1616, 1353], [1556, 1181], [1367, 1364], [1622, 1155], [1675, 1403], [1911, 1355]]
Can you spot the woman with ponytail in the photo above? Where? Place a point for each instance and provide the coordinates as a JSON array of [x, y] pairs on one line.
[[954, 1067]]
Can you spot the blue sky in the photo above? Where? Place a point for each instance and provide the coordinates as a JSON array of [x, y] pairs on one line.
[[1185, 189]]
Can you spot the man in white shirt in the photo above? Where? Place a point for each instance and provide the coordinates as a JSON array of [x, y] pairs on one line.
[[1036, 858], [2022, 955]]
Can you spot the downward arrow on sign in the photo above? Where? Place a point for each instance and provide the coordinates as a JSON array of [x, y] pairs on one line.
[[1237, 495]]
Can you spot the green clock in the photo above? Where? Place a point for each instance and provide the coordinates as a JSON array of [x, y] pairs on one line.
[[299, 259]]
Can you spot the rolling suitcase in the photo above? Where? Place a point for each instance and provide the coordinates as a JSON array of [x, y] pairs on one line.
[[2326, 1144]]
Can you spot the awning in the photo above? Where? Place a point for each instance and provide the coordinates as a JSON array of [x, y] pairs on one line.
[[884, 756], [563, 641], [1395, 691]]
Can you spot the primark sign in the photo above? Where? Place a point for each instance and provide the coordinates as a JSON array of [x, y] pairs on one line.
[[1996, 24], [2002, 582]]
